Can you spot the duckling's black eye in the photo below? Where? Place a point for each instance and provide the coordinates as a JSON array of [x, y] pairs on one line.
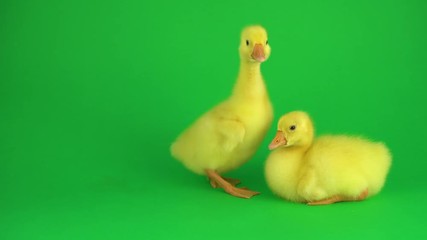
[[292, 128], [247, 42], [266, 42]]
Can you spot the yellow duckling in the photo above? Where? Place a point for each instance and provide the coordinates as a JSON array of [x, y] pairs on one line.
[[327, 170], [228, 135]]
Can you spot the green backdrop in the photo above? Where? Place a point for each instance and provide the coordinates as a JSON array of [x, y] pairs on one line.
[[92, 93]]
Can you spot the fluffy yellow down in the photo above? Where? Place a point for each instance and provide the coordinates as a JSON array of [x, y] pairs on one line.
[[304, 170], [227, 136]]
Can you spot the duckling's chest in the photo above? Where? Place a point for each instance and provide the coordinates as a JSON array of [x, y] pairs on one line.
[[257, 119], [282, 173]]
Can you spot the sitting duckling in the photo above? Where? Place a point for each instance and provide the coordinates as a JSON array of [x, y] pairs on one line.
[[327, 170], [228, 135]]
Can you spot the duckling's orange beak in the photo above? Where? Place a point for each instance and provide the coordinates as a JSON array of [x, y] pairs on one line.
[[279, 140], [258, 53]]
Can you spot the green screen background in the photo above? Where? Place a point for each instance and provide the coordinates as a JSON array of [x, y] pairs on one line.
[[92, 93]]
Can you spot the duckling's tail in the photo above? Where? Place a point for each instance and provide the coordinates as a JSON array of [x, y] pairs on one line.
[[173, 150], [381, 169], [178, 150]]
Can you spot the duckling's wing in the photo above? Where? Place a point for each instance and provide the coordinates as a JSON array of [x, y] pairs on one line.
[[231, 131], [219, 131], [226, 123]]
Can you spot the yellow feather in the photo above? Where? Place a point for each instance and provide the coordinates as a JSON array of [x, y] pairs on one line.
[[305, 170], [227, 136]]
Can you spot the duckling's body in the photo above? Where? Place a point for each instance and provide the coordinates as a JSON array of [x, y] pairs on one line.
[[227, 136], [327, 170]]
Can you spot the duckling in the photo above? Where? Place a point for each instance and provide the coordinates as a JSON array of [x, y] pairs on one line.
[[228, 135], [329, 169]]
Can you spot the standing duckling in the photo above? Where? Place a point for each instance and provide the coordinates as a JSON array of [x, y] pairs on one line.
[[228, 135], [327, 170]]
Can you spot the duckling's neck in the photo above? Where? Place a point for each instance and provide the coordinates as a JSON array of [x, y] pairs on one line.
[[249, 82], [297, 151]]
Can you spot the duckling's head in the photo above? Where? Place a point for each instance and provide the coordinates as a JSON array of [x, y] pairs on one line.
[[293, 129], [254, 45]]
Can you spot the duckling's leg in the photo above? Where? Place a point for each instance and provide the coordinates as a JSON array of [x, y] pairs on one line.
[[218, 181], [338, 198], [232, 181]]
